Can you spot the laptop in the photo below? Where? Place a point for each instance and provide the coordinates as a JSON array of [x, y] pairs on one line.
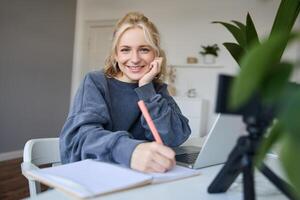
[[219, 142]]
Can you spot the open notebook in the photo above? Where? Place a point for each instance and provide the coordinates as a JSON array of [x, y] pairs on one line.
[[90, 178]]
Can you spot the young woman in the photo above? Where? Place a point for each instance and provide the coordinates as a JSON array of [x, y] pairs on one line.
[[105, 123]]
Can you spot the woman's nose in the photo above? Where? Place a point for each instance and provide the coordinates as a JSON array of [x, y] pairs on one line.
[[135, 57]]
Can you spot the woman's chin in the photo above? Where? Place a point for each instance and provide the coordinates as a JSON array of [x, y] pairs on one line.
[[135, 77]]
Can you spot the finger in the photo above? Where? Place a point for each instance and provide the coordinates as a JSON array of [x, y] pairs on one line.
[[157, 68], [156, 167], [163, 150], [163, 162], [160, 59], [166, 151], [159, 63], [151, 165], [152, 64]]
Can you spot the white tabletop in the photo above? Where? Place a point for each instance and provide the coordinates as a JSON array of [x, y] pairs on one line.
[[190, 188]]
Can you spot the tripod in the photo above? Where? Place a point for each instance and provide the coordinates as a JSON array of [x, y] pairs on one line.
[[240, 160]]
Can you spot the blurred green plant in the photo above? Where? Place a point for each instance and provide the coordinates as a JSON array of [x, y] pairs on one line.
[[210, 49], [263, 71]]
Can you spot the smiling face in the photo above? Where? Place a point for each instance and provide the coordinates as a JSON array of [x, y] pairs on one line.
[[133, 55]]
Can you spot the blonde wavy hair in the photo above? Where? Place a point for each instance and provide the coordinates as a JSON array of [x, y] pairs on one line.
[[129, 21]]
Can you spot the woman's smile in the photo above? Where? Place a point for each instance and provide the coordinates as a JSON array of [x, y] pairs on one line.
[[135, 69]]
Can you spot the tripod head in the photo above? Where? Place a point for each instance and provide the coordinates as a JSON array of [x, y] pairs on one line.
[[256, 115]]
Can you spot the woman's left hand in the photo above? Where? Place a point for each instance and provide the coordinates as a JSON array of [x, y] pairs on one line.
[[154, 69]]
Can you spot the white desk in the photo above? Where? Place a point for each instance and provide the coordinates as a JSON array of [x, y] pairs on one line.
[[190, 188]]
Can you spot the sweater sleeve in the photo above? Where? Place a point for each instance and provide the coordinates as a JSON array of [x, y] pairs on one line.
[[85, 133], [166, 115]]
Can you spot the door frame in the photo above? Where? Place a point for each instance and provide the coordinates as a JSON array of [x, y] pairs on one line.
[[87, 26], [80, 49]]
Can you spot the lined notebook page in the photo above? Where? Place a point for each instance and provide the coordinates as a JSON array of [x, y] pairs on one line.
[[89, 178]]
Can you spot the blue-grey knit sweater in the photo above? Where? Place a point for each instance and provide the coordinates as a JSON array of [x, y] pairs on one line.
[[105, 123]]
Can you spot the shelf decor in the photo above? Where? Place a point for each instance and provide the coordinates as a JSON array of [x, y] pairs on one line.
[[209, 53]]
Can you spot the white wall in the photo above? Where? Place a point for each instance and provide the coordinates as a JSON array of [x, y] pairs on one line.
[[185, 25]]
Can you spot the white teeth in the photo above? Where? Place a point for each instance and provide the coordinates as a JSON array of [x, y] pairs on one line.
[[134, 67]]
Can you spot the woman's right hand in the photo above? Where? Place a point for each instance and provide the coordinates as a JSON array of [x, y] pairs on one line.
[[152, 157]]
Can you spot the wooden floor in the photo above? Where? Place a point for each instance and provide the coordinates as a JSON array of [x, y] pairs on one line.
[[13, 185]]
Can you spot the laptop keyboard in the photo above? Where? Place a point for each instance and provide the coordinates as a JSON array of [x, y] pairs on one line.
[[188, 158]]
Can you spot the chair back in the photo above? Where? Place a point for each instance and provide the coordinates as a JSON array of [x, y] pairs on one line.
[[42, 151], [39, 152]]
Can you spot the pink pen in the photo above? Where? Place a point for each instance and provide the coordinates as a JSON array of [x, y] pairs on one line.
[[149, 121]]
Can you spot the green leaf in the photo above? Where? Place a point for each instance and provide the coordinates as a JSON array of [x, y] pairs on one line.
[[274, 133], [235, 50], [242, 29], [296, 13], [251, 33], [285, 19], [290, 161], [237, 33], [290, 113], [256, 65], [275, 82], [286, 16], [241, 26]]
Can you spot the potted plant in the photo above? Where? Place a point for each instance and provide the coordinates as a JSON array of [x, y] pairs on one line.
[[209, 53], [263, 71]]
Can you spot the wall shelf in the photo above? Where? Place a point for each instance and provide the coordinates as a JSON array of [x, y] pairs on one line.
[[197, 66]]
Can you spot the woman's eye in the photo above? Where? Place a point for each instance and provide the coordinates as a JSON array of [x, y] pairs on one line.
[[144, 50], [125, 50]]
